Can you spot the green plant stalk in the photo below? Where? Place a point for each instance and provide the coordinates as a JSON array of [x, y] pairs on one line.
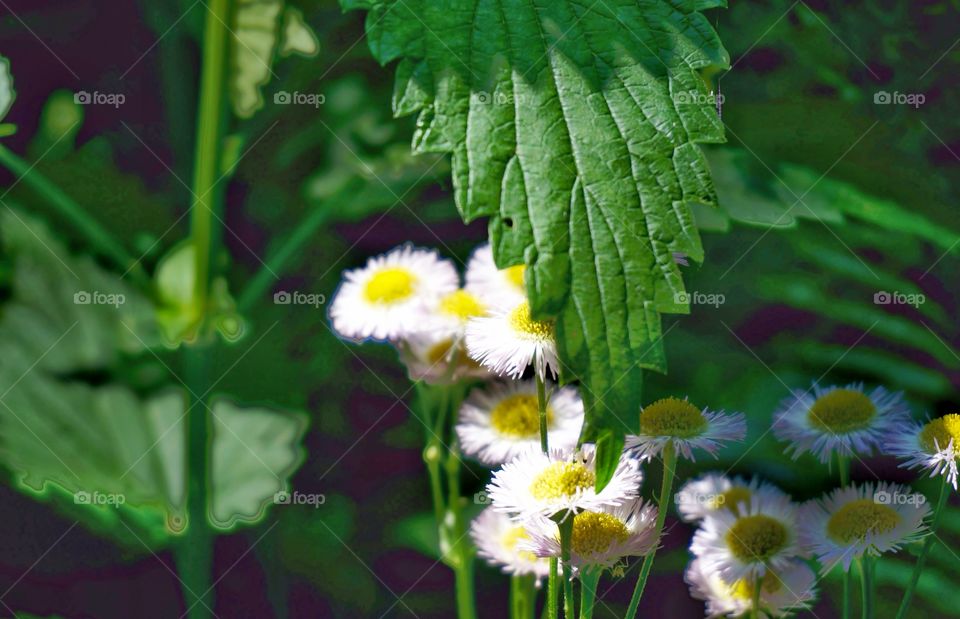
[[462, 549], [542, 412], [211, 122], [843, 465], [925, 549], [755, 597], [64, 205], [523, 597], [553, 591], [588, 596], [196, 551], [565, 525], [867, 586], [666, 491]]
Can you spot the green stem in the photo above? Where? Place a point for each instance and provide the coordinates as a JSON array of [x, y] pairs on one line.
[[462, 550], [868, 593], [843, 466], [925, 550], [522, 597], [194, 553], [542, 411], [755, 595], [210, 128], [588, 587], [565, 525], [197, 547], [553, 592], [666, 492], [66, 207]]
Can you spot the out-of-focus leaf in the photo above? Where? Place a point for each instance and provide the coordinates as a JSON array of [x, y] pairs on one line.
[[264, 30], [7, 93], [69, 434]]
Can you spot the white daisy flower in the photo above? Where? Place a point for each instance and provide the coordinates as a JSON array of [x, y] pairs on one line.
[[498, 540], [499, 285], [714, 491], [676, 421], [388, 298], [782, 592], [856, 520], [600, 538], [842, 420], [542, 484], [428, 356], [763, 535], [509, 340], [934, 446], [501, 420]]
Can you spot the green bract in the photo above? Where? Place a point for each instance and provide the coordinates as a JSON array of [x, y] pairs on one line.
[[574, 129]]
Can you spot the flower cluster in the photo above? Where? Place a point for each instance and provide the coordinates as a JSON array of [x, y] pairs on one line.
[[754, 548]]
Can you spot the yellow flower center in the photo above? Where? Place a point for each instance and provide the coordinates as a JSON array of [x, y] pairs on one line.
[[390, 285], [509, 542], [731, 498], [461, 304], [841, 411], [522, 323], [743, 588], [561, 479], [856, 519], [515, 274], [672, 417], [518, 415], [756, 538], [939, 432], [595, 532]]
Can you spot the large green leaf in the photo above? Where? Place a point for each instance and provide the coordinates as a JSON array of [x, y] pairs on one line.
[[73, 434], [573, 126]]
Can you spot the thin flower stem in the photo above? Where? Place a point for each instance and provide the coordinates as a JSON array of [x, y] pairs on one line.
[[553, 592], [565, 524], [588, 587], [925, 550], [755, 594], [522, 597], [66, 207], [843, 465], [867, 586], [666, 491], [542, 410], [462, 550]]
